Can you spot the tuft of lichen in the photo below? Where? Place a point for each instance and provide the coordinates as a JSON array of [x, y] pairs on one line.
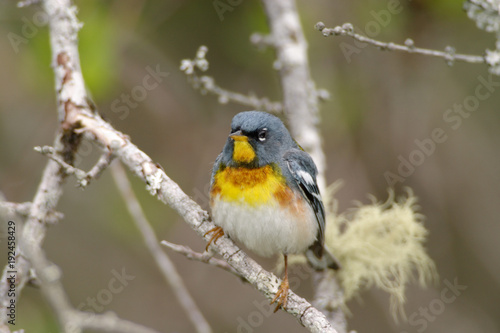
[[381, 245], [486, 14]]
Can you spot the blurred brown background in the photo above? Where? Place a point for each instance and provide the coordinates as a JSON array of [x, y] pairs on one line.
[[381, 103]]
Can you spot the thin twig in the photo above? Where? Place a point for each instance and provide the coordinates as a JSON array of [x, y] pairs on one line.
[[449, 54], [83, 177], [24, 209], [50, 152], [207, 85], [101, 165], [11, 208], [166, 266], [205, 257], [26, 3]]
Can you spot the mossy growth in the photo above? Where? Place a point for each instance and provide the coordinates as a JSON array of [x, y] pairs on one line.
[[379, 244]]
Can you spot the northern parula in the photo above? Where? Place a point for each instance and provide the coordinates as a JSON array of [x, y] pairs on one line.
[[264, 194]]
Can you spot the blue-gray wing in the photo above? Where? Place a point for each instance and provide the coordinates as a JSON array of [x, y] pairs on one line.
[[304, 172], [217, 165]]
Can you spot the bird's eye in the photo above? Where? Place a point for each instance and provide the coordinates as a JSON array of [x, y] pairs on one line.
[[263, 134]]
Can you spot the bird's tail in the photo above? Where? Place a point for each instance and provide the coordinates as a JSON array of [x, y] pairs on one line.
[[320, 258]]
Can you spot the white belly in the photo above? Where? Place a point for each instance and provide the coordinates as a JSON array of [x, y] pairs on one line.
[[267, 229]]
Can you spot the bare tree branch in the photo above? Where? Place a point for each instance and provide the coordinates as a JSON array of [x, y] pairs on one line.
[[300, 99], [205, 257], [449, 54], [70, 87], [166, 266], [328, 296], [70, 94], [47, 195]]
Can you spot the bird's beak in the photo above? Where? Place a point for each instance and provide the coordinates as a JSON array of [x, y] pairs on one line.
[[238, 136]]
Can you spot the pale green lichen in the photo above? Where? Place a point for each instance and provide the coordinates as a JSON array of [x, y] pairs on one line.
[[380, 244]]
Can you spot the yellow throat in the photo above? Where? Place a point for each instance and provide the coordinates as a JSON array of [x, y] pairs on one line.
[[242, 151]]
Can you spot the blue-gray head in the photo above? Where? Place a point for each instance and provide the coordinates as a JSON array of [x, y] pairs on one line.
[[256, 139]]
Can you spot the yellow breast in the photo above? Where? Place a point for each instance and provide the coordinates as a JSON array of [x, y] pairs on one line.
[[251, 186]]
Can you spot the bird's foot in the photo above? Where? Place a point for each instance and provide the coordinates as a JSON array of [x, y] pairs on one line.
[[281, 296], [218, 232]]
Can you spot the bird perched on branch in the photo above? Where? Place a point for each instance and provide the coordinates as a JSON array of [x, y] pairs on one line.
[[264, 194]]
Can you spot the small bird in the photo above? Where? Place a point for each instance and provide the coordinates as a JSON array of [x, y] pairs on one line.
[[264, 194]]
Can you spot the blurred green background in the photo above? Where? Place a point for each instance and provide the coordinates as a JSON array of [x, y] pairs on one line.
[[381, 103]]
